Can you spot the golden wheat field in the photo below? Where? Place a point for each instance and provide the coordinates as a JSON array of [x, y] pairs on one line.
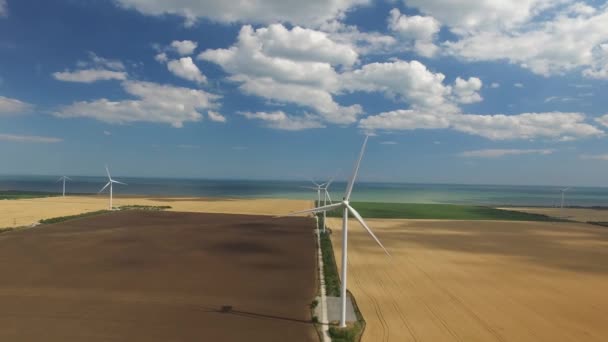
[[25, 212], [479, 281]]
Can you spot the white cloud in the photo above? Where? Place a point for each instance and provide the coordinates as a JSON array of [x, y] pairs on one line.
[[603, 120], [28, 138], [363, 42], [95, 69], [282, 121], [559, 42], [388, 143], [186, 69], [215, 116], [496, 153], [466, 91], [413, 83], [464, 16], [156, 103], [311, 12], [518, 85], [161, 57], [3, 10], [550, 125], [595, 156], [261, 62], [89, 75], [184, 47], [410, 81], [13, 106], [420, 31], [495, 85], [107, 133]]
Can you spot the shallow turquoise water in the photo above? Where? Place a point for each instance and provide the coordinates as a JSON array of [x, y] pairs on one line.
[[379, 192]]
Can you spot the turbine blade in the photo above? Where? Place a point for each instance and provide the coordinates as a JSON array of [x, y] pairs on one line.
[[349, 189], [108, 172], [316, 210], [68, 178], [113, 181], [308, 187], [102, 189], [360, 219], [59, 180], [329, 197]]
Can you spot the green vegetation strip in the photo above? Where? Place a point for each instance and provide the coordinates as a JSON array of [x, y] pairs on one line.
[[603, 224], [439, 212], [98, 212], [72, 217], [353, 332]]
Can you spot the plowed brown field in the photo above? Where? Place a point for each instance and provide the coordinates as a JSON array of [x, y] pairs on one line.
[[159, 276]]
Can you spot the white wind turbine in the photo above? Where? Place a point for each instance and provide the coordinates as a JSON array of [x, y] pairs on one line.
[[563, 191], [110, 182], [63, 178], [345, 206], [318, 187], [325, 197]]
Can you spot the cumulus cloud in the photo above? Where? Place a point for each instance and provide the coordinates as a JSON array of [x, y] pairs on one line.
[[186, 69], [466, 91], [161, 57], [282, 121], [89, 76], [550, 125], [313, 12], [364, 43], [155, 103], [28, 138], [495, 85], [271, 63], [13, 106], [215, 116], [95, 69], [496, 153], [184, 47], [562, 41], [420, 31], [603, 120], [3, 10], [465, 16], [413, 83]]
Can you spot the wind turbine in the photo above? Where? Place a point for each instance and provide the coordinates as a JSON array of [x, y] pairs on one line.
[[325, 197], [63, 178], [318, 187], [345, 206], [563, 191], [110, 182]]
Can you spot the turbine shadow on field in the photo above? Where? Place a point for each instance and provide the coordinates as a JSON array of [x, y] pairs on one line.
[[229, 310], [560, 246]]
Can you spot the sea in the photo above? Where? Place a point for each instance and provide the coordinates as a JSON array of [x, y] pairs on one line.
[[492, 195]]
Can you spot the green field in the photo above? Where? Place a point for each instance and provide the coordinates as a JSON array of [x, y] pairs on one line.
[[12, 194], [439, 212]]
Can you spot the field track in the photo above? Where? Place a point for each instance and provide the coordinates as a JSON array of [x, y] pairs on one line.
[[479, 280], [159, 276]]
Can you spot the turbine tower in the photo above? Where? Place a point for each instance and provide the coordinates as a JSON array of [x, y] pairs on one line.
[[345, 206], [63, 178], [563, 191], [110, 182], [325, 197]]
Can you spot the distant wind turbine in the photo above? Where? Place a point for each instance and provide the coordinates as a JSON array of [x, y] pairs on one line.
[[63, 178], [110, 182], [563, 191], [345, 206], [318, 187], [325, 197]]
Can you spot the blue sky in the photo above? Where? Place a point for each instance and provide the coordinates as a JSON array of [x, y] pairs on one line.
[[452, 91]]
